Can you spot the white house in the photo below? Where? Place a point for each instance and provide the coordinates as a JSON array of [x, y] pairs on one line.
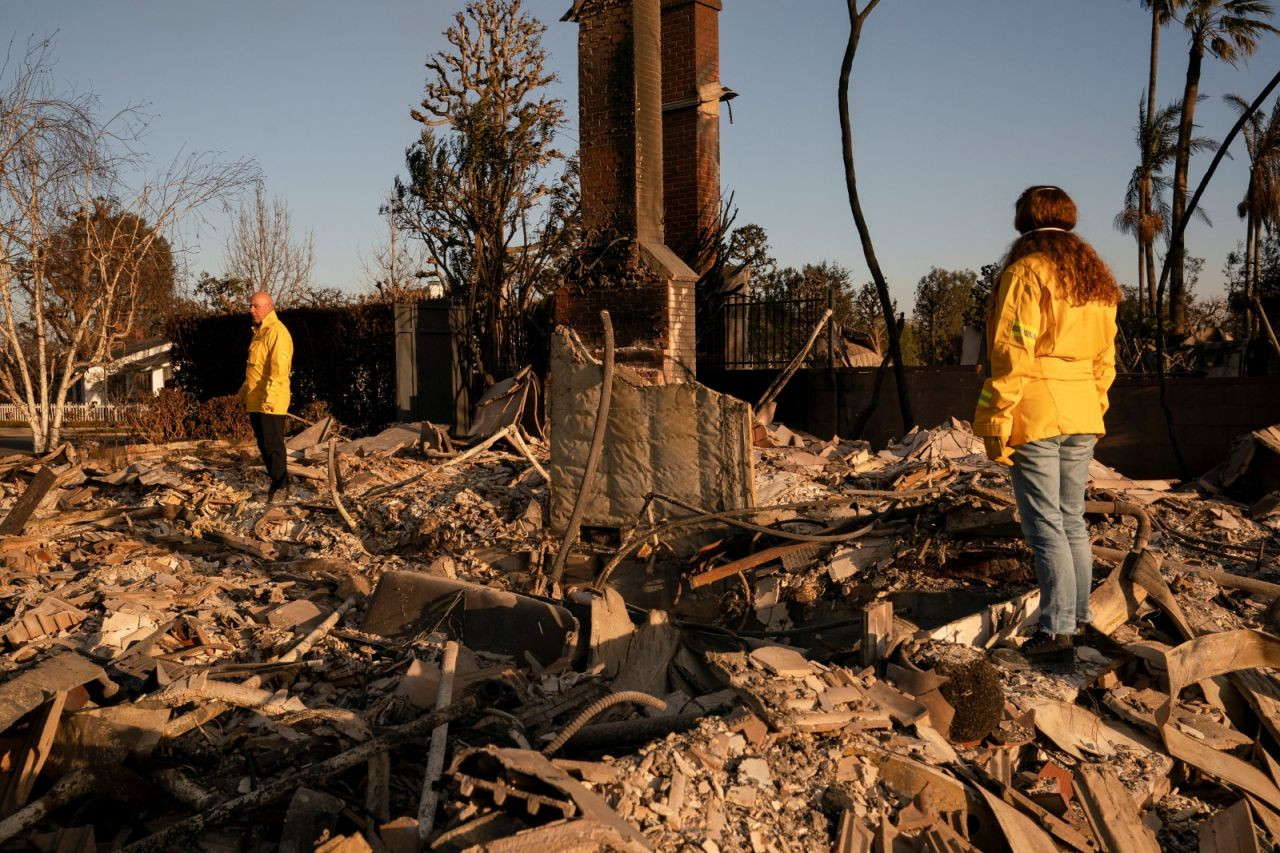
[[144, 366]]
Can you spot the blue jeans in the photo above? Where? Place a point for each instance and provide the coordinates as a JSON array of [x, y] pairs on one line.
[[1048, 481]]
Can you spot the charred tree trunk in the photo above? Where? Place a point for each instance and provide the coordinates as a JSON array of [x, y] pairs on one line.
[[856, 20]]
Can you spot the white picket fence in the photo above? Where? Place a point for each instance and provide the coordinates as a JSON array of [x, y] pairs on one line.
[[73, 413]]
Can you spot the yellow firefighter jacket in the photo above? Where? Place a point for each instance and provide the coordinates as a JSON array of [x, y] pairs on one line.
[[1051, 362], [266, 373]]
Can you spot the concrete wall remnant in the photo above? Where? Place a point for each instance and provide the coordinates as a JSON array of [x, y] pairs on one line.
[[1208, 413], [683, 440]]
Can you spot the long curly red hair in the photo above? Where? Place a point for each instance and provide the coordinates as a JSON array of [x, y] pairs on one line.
[[1084, 275]]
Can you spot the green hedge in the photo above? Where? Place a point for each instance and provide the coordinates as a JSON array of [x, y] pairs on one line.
[[343, 356]]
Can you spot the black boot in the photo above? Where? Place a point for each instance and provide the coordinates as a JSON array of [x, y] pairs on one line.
[[1049, 648]]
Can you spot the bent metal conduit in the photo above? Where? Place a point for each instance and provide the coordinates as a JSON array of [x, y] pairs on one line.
[[593, 458], [1131, 510], [597, 707]]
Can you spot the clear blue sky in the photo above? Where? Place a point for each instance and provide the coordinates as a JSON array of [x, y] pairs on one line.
[[956, 108]]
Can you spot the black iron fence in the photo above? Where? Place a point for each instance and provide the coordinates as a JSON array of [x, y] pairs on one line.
[[742, 333], [746, 333]]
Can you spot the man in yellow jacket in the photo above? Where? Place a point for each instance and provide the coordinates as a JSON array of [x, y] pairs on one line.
[[265, 392]]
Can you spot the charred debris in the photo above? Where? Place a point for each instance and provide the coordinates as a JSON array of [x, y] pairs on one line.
[[810, 659]]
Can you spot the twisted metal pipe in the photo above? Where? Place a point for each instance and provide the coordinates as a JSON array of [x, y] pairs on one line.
[[1125, 508], [595, 708]]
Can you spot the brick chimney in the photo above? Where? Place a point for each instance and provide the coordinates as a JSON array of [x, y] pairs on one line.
[[691, 96], [648, 288]]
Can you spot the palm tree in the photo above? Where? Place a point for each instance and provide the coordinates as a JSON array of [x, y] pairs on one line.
[[1260, 206], [1228, 30], [1162, 11], [1148, 190]]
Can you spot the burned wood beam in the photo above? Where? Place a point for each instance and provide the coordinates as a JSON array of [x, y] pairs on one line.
[[208, 712], [745, 564], [333, 487], [279, 786], [513, 433], [34, 755], [30, 689], [877, 631], [45, 480], [243, 544], [731, 517], [318, 633], [439, 738], [775, 388], [71, 787], [102, 517], [1227, 580]]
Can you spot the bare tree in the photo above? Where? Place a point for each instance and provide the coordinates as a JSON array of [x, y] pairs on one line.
[[397, 271], [856, 21], [63, 174], [263, 254]]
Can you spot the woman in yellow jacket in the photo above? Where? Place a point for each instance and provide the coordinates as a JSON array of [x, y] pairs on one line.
[[1051, 340]]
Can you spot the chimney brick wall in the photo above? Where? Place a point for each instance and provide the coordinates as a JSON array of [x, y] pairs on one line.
[[648, 289], [691, 129], [620, 118]]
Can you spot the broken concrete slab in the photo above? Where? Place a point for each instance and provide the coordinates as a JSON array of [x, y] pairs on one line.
[[313, 436], [301, 614], [782, 661], [484, 619], [390, 441]]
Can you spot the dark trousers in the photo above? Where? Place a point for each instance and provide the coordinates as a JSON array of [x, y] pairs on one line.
[[269, 431]]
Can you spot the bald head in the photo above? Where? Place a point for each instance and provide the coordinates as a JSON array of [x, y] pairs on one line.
[[260, 305]]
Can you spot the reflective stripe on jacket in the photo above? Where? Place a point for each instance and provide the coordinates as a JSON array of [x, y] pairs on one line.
[[266, 373], [1051, 362]]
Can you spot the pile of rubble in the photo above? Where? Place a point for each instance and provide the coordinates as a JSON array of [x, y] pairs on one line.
[[383, 663]]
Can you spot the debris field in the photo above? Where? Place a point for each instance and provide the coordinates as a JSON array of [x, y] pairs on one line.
[[385, 662]]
